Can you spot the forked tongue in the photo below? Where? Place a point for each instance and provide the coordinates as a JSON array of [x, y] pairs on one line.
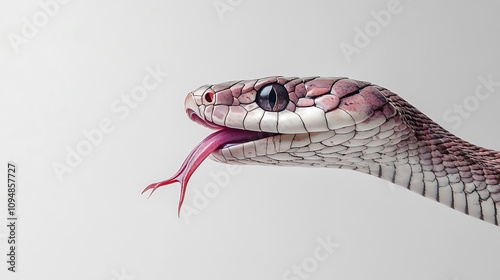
[[211, 143]]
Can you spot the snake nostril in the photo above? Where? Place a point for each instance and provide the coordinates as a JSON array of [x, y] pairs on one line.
[[209, 97]]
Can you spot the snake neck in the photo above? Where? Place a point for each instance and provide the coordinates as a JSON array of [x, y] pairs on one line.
[[442, 166]]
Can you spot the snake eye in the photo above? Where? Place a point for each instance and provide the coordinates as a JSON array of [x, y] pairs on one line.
[[273, 97]]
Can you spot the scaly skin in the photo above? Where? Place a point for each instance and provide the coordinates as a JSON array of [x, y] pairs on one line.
[[349, 124]]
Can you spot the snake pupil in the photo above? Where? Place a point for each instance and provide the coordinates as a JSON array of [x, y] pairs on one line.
[[272, 97]]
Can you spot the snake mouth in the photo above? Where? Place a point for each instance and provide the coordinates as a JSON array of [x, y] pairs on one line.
[[223, 137], [194, 117], [233, 136]]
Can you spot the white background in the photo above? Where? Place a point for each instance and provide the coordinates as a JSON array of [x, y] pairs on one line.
[[94, 224]]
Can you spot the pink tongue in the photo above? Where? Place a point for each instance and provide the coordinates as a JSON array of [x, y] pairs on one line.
[[213, 142]]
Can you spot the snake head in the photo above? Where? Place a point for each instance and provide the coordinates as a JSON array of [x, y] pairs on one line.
[[293, 111], [285, 121]]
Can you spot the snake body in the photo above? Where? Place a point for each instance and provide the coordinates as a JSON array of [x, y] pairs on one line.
[[342, 123]]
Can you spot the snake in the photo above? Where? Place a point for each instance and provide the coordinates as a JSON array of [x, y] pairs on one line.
[[342, 123]]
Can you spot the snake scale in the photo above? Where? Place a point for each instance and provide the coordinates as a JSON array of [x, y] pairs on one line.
[[341, 123]]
